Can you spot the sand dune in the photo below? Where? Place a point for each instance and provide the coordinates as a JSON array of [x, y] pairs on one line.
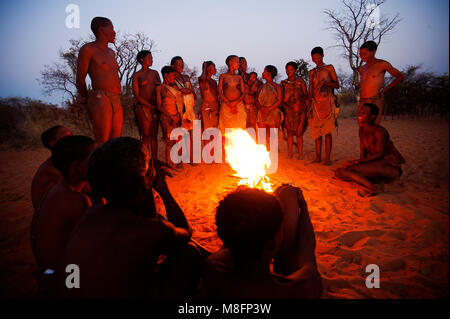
[[404, 230]]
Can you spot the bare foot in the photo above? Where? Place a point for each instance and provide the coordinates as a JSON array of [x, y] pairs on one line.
[[290, 155], [316, 160], [327, 163], [300, 156], [366, 193]]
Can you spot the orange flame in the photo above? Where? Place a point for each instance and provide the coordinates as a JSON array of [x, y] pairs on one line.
[[249, 159]]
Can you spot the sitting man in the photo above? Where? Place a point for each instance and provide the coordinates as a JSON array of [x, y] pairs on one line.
[[255, 228], [62, 207], [116, 246], [47, 175], [379, 161]]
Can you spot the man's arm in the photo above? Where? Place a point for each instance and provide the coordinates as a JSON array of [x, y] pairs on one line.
[[84, 58], [395, 73], [279, 97]]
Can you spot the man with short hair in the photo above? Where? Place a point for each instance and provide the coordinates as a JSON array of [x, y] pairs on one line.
[[47, 175], [103, 102], [379, 161], [256, 228], [372, 78]]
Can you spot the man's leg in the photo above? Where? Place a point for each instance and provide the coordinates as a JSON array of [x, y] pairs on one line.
[[101, 113], [328, 145], [300, 131], [153, 132], [318, 158], [299, 241], [117, 119], [362, 173], [144, 125]]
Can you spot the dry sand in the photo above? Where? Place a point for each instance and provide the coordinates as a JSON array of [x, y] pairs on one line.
[[404, 230]]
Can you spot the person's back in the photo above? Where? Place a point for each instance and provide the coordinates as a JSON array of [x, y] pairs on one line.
[[47, 175], [224, 280], [116, 252], [256, 228]]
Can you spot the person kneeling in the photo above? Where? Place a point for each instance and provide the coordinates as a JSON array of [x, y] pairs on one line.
[[256, 228], [380, 161]]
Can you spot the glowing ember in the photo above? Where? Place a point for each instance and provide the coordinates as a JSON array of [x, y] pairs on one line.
[[249, 159]]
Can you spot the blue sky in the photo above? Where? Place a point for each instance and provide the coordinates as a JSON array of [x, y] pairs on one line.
[[266, 32]]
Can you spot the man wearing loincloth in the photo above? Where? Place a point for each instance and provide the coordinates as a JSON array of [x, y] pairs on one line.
[[103, 102], [321, 101], [231, 92], [144, 88], [269, 98], [372, 78], [210, 99], [169, 101], [379, 161], [294, 97]]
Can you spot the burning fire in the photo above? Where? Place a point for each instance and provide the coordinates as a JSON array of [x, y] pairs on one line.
[[249, 159]]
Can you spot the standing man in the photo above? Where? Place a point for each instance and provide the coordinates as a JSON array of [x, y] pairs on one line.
[[321, 113], [372, 78], [103, 102], [147, 114]]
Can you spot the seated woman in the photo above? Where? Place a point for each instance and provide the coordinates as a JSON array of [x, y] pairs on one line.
[[256, 228], [231, 93], [380, 161]]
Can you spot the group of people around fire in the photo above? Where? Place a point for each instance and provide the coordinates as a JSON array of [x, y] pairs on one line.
[[94, 198]]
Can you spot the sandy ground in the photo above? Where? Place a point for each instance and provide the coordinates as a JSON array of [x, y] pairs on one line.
[[405, 230]]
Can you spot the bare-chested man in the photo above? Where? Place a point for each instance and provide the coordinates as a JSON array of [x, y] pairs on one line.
[[169, 101], [103, 102], [294, 98], [210, 99], [114, 246], [269, 98], [372, 78], [256, 228], [147, 114], [47, 175], [322, 105], [62, 207], [231, 93], [379, 161]]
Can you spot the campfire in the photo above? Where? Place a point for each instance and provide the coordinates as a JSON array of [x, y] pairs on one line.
[[248, 159]]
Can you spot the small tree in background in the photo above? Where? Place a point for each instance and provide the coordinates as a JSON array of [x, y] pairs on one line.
[[356, 22]]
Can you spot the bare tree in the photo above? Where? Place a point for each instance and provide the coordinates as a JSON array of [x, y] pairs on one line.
[[356, 22], [60, 76]]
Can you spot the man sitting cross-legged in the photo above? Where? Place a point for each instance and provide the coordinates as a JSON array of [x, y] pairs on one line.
[[380, 161]]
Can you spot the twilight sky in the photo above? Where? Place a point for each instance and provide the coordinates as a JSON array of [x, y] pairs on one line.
[[265, 32]]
